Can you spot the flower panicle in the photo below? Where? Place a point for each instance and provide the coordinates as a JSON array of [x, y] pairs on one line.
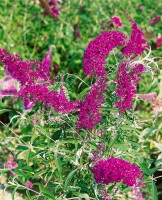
[[115, 170], [126, 84], [89, 114]]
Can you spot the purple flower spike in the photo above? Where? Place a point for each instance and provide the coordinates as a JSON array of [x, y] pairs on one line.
[[117, 21], [126, 84], [89, 114], [44, 70], [136, 42], [117, 170], [94, 56]]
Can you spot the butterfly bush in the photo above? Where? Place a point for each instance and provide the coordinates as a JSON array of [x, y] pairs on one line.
[[115, 170], [44, 70], [36, 86], [11, 164], [35, 81]]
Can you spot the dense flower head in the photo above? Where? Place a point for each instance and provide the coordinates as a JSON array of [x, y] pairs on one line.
[[115, 20], [158, 42], [11, 164], [29, 184], [155, 19], [89, 114], [126, 84], [44, 70], [136, 42], [116, 170], [53, 5], [94, 56], [41, 94], [28, 104], [23, 71]]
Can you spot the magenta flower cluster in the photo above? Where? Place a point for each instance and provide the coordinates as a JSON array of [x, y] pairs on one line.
[[94, 59], [11, 164], [89, 114], [158, 42], [53, 5], [46, 63], [136, 43], [23, 70], [41, 94], [31, 90], [126, 80], [155, 19], [115, 170], [115, 21]]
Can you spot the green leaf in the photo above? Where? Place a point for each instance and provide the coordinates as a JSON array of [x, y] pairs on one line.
[[70, 140], [11, 145], [154, 192], [144, 167], [83, 93], [59, 167], [22, 148], [146, 132], [27, 156], [34, 137], [154, 170], [129, 128], [46, 192], [69, 178], [127, 190], [2, 137]]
